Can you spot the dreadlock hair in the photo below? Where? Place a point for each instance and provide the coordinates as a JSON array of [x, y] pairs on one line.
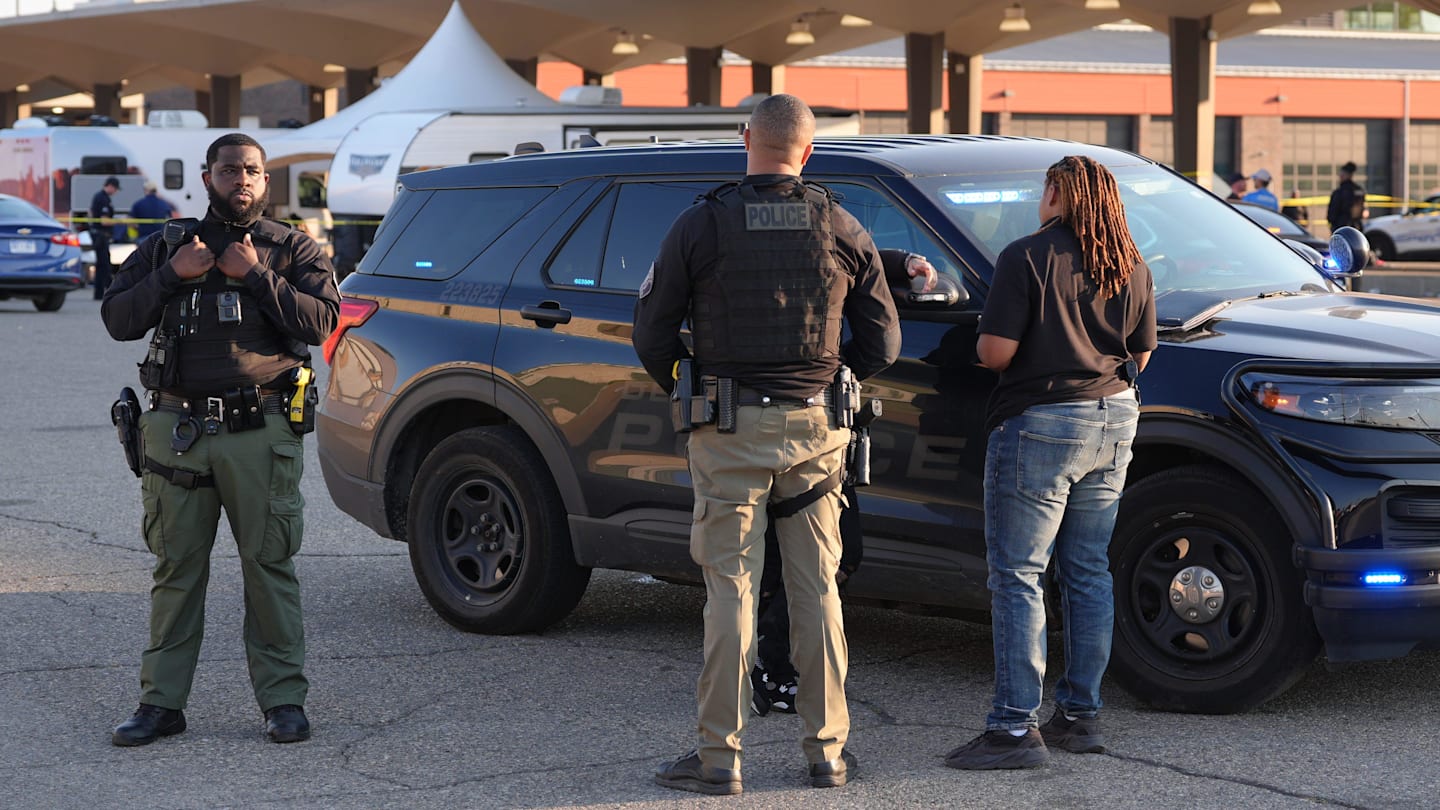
[[1092, 208]]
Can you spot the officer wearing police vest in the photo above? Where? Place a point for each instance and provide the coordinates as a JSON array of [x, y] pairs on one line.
[[764, 270], [234, 302]]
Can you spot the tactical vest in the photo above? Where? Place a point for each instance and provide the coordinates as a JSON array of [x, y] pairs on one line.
[[777, 290], [216, 356]]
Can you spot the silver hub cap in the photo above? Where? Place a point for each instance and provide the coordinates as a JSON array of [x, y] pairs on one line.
[[1196, 594]]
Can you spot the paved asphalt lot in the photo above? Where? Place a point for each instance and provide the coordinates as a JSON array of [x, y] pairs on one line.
[[411, 713]]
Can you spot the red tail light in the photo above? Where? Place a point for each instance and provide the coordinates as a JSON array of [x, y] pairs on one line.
[[66, 238], [353, 312]]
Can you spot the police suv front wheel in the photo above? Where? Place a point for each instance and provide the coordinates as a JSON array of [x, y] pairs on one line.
[[489, 541], [1208, 610]]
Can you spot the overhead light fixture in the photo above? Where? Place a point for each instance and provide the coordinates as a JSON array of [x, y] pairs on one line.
[[851, 21], [624, 44], [1259, 8], [22, 88], [1102, 5], [800, 33], [57, 110], [333, 68], [1014, 21]]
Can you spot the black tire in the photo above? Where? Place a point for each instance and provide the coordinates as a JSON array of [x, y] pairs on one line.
[[489, 539], [51, 302], [1382, 246], [1229, 656]]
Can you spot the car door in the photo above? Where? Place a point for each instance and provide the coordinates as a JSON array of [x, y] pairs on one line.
[[923, 515]]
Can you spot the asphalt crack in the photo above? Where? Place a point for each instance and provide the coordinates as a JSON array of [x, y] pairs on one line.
[[91, 537], [1235, 780]]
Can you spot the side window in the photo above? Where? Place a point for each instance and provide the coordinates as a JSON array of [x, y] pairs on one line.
[[174, 173], [643, 214], [892, 227], [577, 263], [454, 227]]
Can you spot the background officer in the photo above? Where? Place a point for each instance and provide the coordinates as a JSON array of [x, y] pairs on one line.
[[764, 270], [234, 307], [102, 213]]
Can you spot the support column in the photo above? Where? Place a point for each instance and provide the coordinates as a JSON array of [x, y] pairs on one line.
[[702, 75], [966, 75], [9, 108], [202, 104], [924, 78], [767, 79], [594, 79], [107, 100], [528, 69], [358, 83], [315, 100], [1192, 94], [224, 101]]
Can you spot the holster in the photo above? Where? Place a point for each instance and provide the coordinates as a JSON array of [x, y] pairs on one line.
[[302, 400], [125, 415], [857, 455], [690, 407], [844, 396]]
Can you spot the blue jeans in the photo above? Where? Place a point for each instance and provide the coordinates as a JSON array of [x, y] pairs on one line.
[[1053, 477]]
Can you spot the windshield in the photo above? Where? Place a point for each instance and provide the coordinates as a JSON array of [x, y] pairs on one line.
[[1192, 241]]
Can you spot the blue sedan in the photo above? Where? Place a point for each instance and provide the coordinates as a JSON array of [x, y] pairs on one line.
[[39, 257]]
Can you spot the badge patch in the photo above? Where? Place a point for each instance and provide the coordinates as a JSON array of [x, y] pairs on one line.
[[649, 281], [777, 216]]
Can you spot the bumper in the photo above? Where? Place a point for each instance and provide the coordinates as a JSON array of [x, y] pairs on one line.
[[39, 283], [356, 497], [1365, 623]]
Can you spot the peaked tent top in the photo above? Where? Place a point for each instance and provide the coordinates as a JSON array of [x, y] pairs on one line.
[[455, 70]]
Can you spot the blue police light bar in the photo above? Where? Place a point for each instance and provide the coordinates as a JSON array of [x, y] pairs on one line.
[[1383, 578], [424, 265]]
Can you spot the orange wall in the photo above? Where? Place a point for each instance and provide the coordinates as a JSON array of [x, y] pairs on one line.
[[883, 89]]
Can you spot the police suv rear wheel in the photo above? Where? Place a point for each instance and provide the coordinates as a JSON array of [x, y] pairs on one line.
[[1208, 610], [489, 542]]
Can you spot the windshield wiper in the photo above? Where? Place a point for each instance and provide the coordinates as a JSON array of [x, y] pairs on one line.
[[1275, 293]]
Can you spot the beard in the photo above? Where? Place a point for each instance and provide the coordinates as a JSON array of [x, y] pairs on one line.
[[244, 213]]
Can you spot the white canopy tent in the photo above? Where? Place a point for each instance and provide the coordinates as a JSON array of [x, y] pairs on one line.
[[455, 70]]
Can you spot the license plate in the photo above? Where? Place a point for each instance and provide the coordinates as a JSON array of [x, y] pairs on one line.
[[23, 246]]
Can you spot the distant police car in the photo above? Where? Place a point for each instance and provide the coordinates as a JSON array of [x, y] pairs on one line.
[[1414, 234], [485, 406]]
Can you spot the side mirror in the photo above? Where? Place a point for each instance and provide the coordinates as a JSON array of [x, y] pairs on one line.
[[946, 293], [1351, 252]]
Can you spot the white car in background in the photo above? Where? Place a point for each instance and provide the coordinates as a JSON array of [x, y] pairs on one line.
[[1414, 234]]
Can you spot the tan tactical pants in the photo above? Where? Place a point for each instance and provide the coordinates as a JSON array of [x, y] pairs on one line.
[[776, 452]]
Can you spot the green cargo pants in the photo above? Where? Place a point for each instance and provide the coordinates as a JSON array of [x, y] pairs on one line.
[[257, 482]]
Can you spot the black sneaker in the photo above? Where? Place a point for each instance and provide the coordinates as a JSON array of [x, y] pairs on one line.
[[998, 750], [768, 695], [148, 724], [1079, 736], [688, 773]]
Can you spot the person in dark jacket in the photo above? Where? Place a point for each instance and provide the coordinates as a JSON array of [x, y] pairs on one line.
[[102, 219], [234, 302], [765, 270], [1069, 324], [152, 210], [1347, 201]]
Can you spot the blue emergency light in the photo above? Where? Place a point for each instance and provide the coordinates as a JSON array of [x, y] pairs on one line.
[[424, 265], [1383, 578]]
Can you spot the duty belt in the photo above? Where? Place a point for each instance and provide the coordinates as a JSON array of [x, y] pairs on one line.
[[749, 396], [161, 401]]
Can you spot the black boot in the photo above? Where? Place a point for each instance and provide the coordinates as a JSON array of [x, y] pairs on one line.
[[148, 724], [287, 724]]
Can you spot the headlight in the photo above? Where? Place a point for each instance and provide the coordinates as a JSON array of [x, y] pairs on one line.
[[1406, 404]]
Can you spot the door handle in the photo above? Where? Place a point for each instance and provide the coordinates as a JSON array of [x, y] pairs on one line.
[[546, 315]]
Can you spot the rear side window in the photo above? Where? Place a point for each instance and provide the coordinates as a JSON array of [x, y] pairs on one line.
[[454, 227], [174, 173], [615, 244]]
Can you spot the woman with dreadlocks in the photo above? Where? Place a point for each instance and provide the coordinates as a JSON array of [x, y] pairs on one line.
[[1069, 324]]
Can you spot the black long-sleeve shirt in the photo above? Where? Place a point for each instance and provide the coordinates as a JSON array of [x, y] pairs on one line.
[[691, 247], [292, 285]]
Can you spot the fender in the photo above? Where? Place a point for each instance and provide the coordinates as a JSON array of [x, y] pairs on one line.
[[482, 387], [1304, 510]]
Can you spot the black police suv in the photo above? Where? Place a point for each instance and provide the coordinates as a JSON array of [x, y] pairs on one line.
[[486, 407]]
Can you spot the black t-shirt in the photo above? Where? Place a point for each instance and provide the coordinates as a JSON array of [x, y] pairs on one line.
[[1072, 341]]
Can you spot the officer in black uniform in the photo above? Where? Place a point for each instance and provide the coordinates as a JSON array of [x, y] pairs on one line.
[[765, 270], [234, 301], [102, 213]]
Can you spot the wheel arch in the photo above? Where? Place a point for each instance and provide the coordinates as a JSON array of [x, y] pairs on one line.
[[442, 405], [1167, 441]]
